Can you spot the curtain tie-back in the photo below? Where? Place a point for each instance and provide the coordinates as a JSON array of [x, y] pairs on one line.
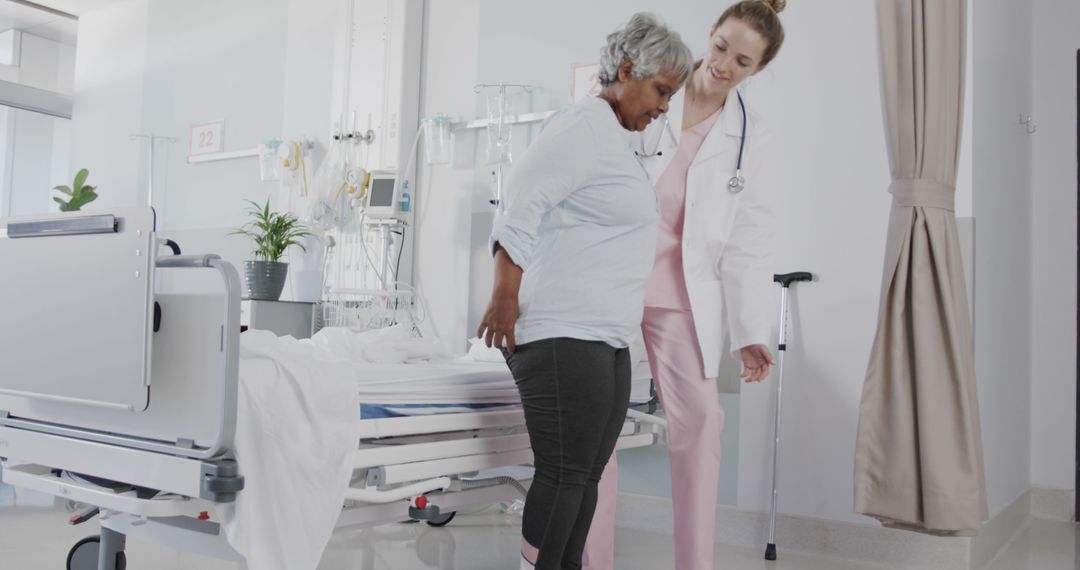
[[914, 193]]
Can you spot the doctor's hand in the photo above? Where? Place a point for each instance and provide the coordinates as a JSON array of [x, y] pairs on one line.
[[497, 326], [756, 361]]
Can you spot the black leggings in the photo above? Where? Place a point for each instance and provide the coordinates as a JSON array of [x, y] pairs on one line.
[[575, 395]]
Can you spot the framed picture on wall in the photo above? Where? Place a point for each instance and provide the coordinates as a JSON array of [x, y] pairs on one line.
[[586, 81]]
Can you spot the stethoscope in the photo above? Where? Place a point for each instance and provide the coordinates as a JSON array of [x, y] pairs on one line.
[[736, 183]]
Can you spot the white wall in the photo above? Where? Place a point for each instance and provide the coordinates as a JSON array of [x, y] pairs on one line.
[[1054, 183], [32, 175], [823, 99], [149, 66], [1003, 270], [444, 198], [36, 61], [34, 148], [206, 61], [108, 100], [152, 66], [313, 29], [46, 64], [270, 69]]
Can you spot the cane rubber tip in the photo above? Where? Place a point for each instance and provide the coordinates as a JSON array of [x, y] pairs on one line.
[[770, 552]]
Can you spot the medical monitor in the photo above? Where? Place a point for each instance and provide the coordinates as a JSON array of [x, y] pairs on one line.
[[383, 196]]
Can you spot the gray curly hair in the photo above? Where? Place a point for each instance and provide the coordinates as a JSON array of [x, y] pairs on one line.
[[650, 46]]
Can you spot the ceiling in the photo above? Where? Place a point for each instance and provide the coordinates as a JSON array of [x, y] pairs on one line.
[[37, 22], [75, 7], [23, 16]]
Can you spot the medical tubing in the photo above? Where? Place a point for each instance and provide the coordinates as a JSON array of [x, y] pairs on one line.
[[303, 168], [175, 247], [414, 200], [412, 156], [363, 247], [401, 250], [421, 302], [397, 268]]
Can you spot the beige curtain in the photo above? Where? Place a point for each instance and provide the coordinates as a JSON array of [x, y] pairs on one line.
[[918, 457]]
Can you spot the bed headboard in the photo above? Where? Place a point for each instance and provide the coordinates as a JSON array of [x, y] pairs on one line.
[[76, 308], [92, 349]]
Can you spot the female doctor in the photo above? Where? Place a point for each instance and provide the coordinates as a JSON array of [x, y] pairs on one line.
[[712, 276]]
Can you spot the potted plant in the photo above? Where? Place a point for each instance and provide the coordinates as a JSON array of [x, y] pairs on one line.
[[273, 232], [80, 194]]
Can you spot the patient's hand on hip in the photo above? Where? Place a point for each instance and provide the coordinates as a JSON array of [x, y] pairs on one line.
[[756, 361]]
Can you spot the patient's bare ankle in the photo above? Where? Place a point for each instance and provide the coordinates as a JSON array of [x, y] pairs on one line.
[[529, 554]]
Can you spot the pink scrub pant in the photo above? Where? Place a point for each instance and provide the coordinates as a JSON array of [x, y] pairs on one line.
[[695, 422]]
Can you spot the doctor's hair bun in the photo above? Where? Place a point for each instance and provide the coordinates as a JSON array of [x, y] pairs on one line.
[[764, 17], [777, 5]]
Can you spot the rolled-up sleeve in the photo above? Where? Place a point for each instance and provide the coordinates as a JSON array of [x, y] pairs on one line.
[[559, 162]]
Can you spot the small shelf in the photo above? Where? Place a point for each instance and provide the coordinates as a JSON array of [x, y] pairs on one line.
[[216, 156]]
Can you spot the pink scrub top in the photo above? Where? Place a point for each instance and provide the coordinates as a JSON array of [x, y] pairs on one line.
[[666, 287]]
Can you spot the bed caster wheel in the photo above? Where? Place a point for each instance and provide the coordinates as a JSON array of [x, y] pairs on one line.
[[442, 520], [84, 555]]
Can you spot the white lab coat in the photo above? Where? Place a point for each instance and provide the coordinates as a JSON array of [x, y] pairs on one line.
[[727, 238]]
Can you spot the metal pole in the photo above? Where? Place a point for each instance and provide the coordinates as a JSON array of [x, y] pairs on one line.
[[109, 549], [785, 281], [770, 550]]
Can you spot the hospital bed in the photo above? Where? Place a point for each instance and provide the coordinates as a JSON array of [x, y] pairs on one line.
[[119, 392]]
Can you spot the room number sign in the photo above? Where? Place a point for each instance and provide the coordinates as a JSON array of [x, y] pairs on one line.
[[207, 138]]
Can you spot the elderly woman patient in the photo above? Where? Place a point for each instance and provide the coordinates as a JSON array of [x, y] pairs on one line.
[[574, 246]]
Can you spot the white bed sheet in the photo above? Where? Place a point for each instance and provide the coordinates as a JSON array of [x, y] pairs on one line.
[[295, 433], [297, 427], [463, 381]]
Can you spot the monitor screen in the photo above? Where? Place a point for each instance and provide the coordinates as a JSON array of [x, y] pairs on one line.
[[382, 193]]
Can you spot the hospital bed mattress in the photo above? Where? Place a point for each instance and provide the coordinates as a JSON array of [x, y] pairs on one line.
[[463, 385]]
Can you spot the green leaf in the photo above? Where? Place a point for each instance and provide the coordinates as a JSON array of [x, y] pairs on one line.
[[272, 232], [63, 189], [82, 199], [80, 179]]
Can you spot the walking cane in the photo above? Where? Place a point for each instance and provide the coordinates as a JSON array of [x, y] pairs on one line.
[[785, 281]]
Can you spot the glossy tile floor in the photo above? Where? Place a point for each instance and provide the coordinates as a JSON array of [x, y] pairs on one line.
[[33, 536]]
